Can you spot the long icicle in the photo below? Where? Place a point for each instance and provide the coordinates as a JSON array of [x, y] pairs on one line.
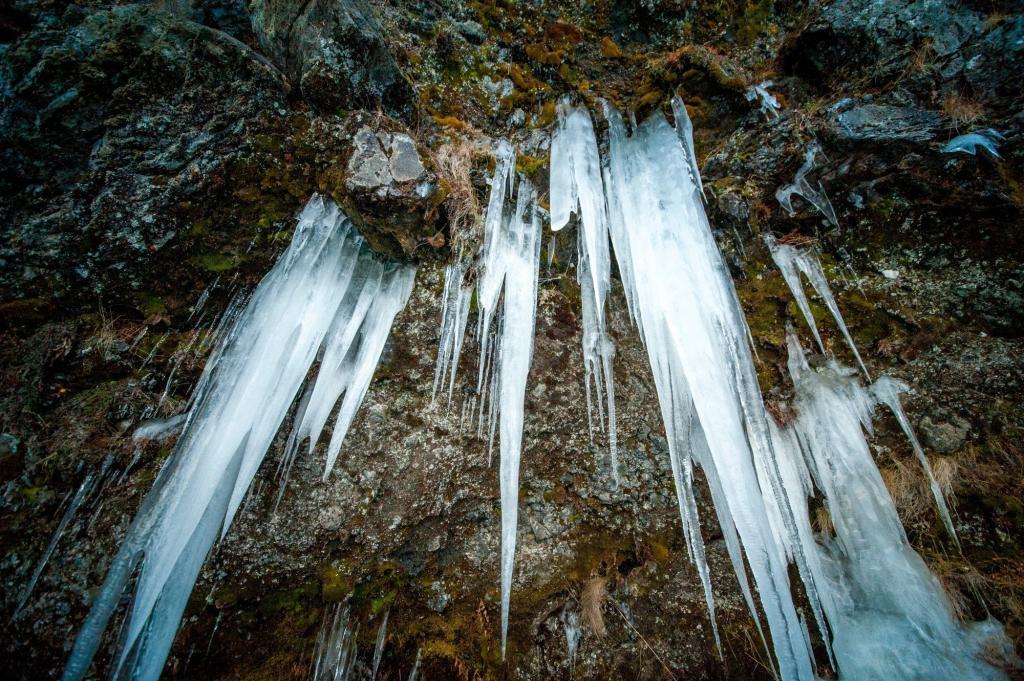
[[243, 396]]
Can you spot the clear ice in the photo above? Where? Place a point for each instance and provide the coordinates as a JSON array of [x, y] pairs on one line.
[[576, 187], [336, 647], [801, 187], [326, 297], [988, 139]]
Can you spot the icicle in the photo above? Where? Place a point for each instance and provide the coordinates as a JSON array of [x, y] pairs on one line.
[[577, 187], [988, 139], [454, 314], [159, 429], [415, 672], [336, 649], [684, 129], [802, 187], [573, 634], [887, 391], [769, 104], [81, 493], [508, 271], [246, 390], [790, 260], [378, 650], [694, 332]]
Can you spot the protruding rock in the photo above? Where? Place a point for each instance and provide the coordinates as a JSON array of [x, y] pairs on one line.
[[386, 186]]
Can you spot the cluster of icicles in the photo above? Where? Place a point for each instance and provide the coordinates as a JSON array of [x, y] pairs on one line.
[[879, 612]]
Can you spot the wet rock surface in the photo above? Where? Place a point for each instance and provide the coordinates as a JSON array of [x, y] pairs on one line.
[[155, 156]]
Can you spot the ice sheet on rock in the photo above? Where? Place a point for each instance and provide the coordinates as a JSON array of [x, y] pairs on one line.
[[801, 187], [695, 336], [577, 187], [159, 429], [988, 139], [243, 396], [887, 391], [792, 261], [889, 617], [769, 104]]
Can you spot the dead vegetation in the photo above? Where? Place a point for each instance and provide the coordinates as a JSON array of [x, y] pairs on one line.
[[962, 110], [595, 592], [453, 162]]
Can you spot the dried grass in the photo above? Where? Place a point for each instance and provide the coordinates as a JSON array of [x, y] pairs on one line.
[[453, 162], [592, 602], [962, 110]]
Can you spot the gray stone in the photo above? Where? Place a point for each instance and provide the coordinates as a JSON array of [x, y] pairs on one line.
[[405, 162], [368, 166], [880, 122], [944, 434], [439, 598]]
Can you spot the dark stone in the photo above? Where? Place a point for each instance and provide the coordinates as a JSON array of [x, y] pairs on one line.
[[334, 51], [856, 120]]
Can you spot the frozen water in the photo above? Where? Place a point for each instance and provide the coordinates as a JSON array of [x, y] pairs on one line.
[[769, 104], [573, 634], [577, 187], [312, 303], [988, 139], [336, 648], [791, 261], [378, 650], [801, 187]]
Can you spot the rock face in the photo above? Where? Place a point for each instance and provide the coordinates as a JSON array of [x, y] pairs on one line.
[[154, 156], [333, 51]]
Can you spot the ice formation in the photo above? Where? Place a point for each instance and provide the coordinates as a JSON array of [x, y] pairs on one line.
[[326, 297], [888, 615], [988, 139], [792, 261], [573, 634], [801, 187], [336, 647], [378, 649], [576, 188], [879, 610], [506, 293], [769, 104]]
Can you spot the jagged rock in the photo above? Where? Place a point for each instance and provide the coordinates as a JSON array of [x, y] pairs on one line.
[[334, 51], [854, 120]]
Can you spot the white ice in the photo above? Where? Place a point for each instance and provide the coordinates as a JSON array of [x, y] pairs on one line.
[[305, 308], [792, 261], [769, 104], [336, 646], [378, 649], [987, 139], [801, 187], [576, 187]]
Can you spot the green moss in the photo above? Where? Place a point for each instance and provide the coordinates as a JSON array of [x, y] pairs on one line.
[[335, 585], [214, 262], [297, 599]]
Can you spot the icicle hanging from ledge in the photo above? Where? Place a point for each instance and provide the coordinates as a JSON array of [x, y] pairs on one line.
[[576, 188], [327, 292], [506, 292]]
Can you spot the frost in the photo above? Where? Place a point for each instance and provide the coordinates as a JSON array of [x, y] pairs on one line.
[[576, 187], [988, 139], [802, 187], [791, 262], [769, 104], [328, 296]]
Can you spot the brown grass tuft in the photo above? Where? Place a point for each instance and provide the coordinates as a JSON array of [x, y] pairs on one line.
[[454, 164], [962, 110], [592, 601]]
